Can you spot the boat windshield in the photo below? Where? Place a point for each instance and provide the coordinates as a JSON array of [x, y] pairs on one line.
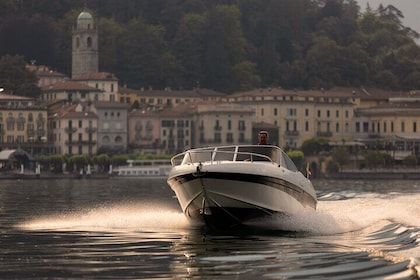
[[258, 153], [250, 153]]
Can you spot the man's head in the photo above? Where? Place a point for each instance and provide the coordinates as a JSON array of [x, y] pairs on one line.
[[263, 137]]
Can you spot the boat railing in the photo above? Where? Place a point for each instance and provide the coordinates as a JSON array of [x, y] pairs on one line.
[[214, 156]]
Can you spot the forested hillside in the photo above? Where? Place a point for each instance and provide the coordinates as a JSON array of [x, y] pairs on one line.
[[226, 45]]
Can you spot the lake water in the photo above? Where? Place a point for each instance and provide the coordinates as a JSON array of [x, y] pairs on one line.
[[134, 229]]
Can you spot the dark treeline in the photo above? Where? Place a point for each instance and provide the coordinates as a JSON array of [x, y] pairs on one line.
[[226, 45]]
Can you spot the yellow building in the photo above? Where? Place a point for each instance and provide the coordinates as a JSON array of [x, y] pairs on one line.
[[302, 115], [167, 97], [393, 127], [23, 124]]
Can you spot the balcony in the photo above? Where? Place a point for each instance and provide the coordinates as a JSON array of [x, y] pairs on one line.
[[90, 129], [293, 133], [40, 132], [80, 142], [70, 129], [324, 134], [217, 128]]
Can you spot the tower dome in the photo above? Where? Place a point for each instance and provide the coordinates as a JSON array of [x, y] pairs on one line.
[[85, 21]]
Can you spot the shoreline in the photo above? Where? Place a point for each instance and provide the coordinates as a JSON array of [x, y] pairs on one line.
[[382, 174]]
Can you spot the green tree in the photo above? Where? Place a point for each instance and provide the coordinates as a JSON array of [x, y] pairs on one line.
[[146, 60], [410, 161], [314, 146], [110, 36], [297, 157], [224, 47], [323, 63], [78, 161], [373, 159], [102, 161], [188, 47], [340, 155], [16, 79], [245, 76]]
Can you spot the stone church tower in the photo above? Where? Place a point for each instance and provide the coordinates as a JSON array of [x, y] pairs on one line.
[[84, 46]]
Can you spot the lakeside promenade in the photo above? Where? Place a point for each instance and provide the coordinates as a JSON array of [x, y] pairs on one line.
[[55, 176], [364, 174], [377, 174]]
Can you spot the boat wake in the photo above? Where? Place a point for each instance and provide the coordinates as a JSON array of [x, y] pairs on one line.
[[111, 218], [383, 225]]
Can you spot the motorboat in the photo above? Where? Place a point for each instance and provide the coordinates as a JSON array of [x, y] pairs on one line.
[[226, 186]]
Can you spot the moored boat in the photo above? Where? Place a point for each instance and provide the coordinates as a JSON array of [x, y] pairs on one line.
[[144, 168], [229, 185]]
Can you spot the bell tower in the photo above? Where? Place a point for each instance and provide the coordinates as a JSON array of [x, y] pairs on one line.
[[84, 46]]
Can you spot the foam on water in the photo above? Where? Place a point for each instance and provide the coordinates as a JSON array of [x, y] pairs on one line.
[[119, 217], [340, 216]]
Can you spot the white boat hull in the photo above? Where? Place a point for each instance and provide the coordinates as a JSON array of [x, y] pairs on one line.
[[228, 193]]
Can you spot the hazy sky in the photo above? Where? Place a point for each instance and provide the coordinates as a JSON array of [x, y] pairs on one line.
[[410, 9]]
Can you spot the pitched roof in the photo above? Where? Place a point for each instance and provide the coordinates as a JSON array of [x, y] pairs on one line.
[[99, 76], [197, 93], [70, 86], [7, 97], [110, 104]]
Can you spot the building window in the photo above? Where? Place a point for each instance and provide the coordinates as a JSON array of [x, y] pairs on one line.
[[319, 113], [275, 111], [365, 127], [306, 126], [357, 127], [229, 137], [414, 127], [217, 137], [306, 112], [291, 112], [337, 127], [328, 113], [402, 126]]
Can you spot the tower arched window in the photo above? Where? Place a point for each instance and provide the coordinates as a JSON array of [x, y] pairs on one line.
[[89, 42]]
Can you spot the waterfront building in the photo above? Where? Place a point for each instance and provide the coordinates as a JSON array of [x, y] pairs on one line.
[[167, 97], [112, 129], [106, 82], [393, 127], [302, 115], [23, 124], [45, 75], [222, 123], [161, 131], [73, 128], [70, 91]]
